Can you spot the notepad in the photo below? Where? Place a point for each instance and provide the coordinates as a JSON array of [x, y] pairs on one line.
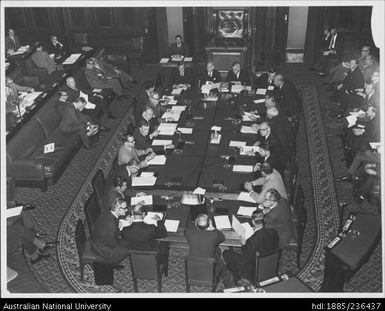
[[147, 199], [216, 128], [222, 222], [167, 129], [270, 88], [352, 119], [199, 190], [171, 225], [234, 143], [178, 108], [161, 142], [146, 174], [14, 211], [143, 181], [90, 106], [150, 216], [188, 59], [247, 150], [164, 61], [96, 90], [217, 140], [375, 145], [245, 196], [244, 230], [172, 115], [261, 91], [246, 210], [71, 59], [177, 91], [259, 101], [242, 168], [248, 130], [158, 160], [237, 88], [185, 130], [49, 148]]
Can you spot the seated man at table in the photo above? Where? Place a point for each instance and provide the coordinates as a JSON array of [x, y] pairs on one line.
[[203, 240], [142, 235], [278, 216], [116, 189], [56, 48], [263, 240], [74, 92], [143, 138], [148, 116], [127, 171], [266, 79], [289, 98], [75, 121], [179, 47], [210, 74], [11, 42], [270, 179], [98, 80], [156, 106], [42, 60], [128, 152], [182, 75], [236, 74], [280, 127], [105, 241], [268, 155], [144, 95]]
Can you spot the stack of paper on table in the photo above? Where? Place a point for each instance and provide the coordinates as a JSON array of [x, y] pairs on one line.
[[245, 196], [188, 59], [151, 215], [237, 88], [164, 61], [14, 211], [147, 199], [167, 128], [172, 115], [243, 168], [28, 98], [96, 90], [261, 91], [234, 143], [248, 130], [352, 119], [146, 174], [222, 222], [244, 230], [206, 88], [71, 59], [178, 108], [158, 160], [246, 210], [143, 181], [270, 88], [259, 101], [199, 190], [176, 58], [87, 48], [171, 225], [245, 150], [185, 130], [177, 91], [161, 142]]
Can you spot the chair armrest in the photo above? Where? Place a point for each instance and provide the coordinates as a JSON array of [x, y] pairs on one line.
[[28, 169]]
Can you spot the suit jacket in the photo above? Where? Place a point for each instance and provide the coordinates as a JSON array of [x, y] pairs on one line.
[[105, 236], [141, 142], [338, 46], [215, 77], [141, 236], [290, 101], [203, 243], [274, 142], [279, 218], [176, 78], [153, 122], [42, 60], [263, 81], [72, 119], [262, 241], [274, 160], [55, 49], [175, 50], [274, 180], [60, 106], [142, 100], [126, 154], [243, 77], [354, 80], [109, 195], [10, 44]]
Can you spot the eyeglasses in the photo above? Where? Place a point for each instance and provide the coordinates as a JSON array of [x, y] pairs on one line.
[[123, 208], [263, 129], [364, 50]]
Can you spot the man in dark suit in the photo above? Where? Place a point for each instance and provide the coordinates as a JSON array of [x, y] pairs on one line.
[[55, 47], [263, 240], [236, 74], [280, 127], [143, 97], [148, 116], [117, 189], [268, 155], [369, 131], [182, 75], [289, 99], [203, 240], [179, 47], [127, 171], [334, 50], [210, 74], [142, 235], [266, 79], [62, 102], [75, 121], [143, 138], [105, 241], [278, 216], [11, 42]]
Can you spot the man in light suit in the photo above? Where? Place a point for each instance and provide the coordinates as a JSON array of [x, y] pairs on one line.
[[278, 216], [270, 179], [11, 42], [128, 152], [236, 74], [42, 59]]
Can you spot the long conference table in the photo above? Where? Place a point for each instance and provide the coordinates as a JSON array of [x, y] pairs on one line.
[[196, 162]]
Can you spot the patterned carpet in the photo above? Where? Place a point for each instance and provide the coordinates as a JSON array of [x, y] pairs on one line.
[[62, 204]]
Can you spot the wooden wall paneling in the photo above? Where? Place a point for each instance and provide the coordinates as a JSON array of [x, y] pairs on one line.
[[200, 32], [151, 51], [269, 36], [161, 32], [282, 19]]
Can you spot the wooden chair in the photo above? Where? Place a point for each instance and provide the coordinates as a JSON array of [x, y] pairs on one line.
[[146, 265], [86, 255], [92, 211], [266, 265], [201, 272], [98, 183]]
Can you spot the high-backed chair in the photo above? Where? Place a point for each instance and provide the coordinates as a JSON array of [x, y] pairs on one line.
[[92, 211], [266, 265], [147, 265], [86, 255], [201, 272], [98, 184]]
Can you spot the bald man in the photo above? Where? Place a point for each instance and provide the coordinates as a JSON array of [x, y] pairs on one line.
[[210, 74]]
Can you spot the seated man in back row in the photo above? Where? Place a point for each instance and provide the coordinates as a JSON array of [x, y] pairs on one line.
[[236, 74], [179, 47], [182, 75]]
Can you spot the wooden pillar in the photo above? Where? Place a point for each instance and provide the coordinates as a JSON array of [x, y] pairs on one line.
[[162, 34]]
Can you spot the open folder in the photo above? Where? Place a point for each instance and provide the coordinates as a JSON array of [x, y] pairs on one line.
[[244, 230], [158, 160], [222, 222], [143, 181], [147, 199]]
